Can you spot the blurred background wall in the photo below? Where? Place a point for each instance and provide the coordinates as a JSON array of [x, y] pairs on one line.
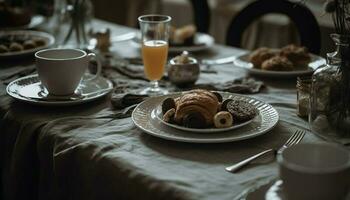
[[272, 30]]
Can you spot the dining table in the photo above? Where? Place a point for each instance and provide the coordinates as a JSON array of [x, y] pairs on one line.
[[93, 151]]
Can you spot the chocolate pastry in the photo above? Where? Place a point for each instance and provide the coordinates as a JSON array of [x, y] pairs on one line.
[[218, 96], [197, 101], [224, 104], [277, 63], [240, 110], [258, 56], [168, 104], [194, 120], [183, 35], [223, 119], [169, 115], [299, 56]]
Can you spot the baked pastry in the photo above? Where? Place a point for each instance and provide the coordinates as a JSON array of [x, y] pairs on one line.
[[240, 110], [277, 63], [299, 56], [223, 119], [20, 42], [29, 44], [14, 46], [197, 103], [258, 56], [168, 104], [4, 48], [169, 115], [183, 35], [218, 96], [194, 120]]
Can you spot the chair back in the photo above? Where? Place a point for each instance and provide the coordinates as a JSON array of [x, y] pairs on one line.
[[303, 18], [201, 13]]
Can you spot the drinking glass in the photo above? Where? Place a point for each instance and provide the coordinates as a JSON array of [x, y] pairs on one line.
[[154, 41]]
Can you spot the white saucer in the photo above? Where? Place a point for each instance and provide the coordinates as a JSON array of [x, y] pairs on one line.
[[273, 190], [29, 89]]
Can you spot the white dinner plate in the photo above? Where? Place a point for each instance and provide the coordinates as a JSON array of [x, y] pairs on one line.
[[30, 90], [49, 39], [35, 21], [243, 61], [203, 42], [145, 118], [159, 115]]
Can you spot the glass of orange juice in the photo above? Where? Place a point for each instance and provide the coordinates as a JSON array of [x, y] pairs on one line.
[[155, 35]]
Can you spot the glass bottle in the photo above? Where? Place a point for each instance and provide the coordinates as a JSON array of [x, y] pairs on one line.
[[72, 23], [303, 95], [327, 82]]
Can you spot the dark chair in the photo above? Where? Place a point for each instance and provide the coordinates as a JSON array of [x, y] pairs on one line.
[[302, 17], [201, 13]]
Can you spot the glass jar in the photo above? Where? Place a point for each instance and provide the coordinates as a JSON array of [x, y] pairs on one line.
[[71, 23], [303, 96], [328, 116]]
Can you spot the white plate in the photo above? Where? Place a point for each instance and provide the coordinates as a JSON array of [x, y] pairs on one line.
[[35, 21], [50, 40], [29, 89], [144, 117], [243, 61], [206, 41], [159, 115]]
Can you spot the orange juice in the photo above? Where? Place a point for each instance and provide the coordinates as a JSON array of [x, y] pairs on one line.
[[154, 54]]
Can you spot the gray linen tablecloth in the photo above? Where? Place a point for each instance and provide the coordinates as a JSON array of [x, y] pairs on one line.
[[82, 152]]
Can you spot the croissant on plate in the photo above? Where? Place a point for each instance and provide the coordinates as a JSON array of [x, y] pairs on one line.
[[196, 108]]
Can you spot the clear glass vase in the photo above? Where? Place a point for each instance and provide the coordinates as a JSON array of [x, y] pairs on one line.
[[328, 114], [72, 23]]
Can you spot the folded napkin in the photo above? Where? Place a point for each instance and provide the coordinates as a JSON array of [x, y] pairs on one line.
[[123, 100], [128, 71], [243, 86]]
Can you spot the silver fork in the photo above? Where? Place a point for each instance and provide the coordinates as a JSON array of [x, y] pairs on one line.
[[294, 139]]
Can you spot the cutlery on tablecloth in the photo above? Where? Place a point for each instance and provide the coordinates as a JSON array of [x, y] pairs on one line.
[[294, 139]]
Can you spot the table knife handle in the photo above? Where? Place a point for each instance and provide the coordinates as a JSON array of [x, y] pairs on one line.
[[245, 162]]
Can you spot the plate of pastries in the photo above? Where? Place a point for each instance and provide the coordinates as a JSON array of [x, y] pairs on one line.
[[291, 60], [202, 116], [204, 111], [185, 38], [20, 43]]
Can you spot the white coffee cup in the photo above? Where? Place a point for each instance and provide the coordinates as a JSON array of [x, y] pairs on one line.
[[315, 171], [62, 70]]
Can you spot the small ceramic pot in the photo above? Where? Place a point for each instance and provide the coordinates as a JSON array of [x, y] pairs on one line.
[[183, 74]]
